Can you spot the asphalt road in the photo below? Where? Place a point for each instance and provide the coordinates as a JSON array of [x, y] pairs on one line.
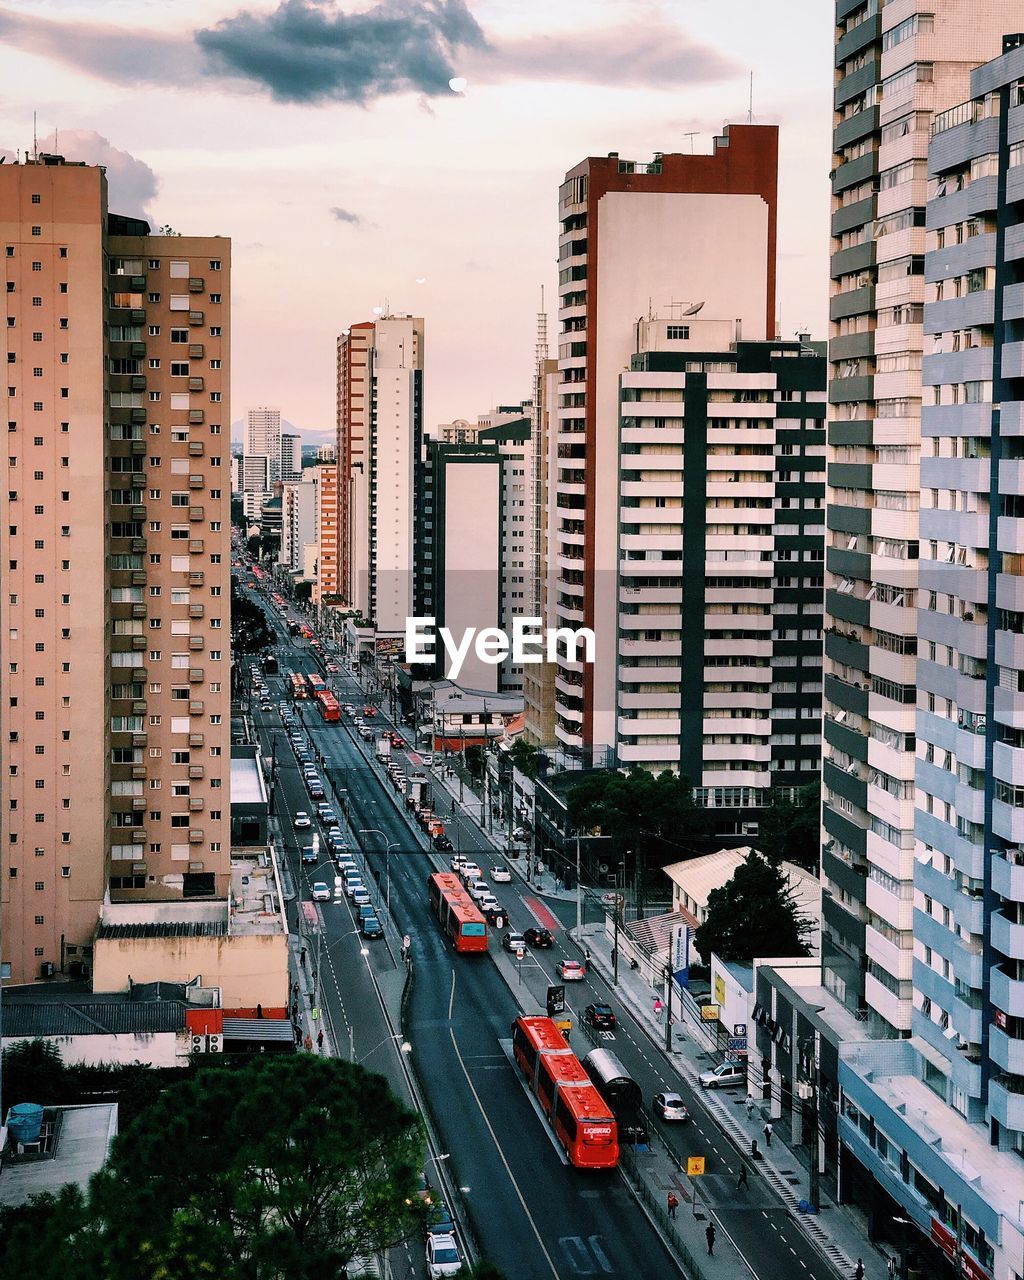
[[533, 1216]]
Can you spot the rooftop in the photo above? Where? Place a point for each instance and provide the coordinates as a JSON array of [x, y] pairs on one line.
[[80, 1138], [256, 901], [247, 785]]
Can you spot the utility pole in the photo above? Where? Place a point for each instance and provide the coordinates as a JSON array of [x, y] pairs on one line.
[[812, 1107], [668, 1001], [579, 892]]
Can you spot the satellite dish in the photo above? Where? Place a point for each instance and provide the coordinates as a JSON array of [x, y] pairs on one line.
[[692, 311]]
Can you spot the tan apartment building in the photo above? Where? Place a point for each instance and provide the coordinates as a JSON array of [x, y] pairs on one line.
[[115, 606], [326, 587]]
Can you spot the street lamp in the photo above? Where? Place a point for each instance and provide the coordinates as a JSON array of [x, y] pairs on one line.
[[405, 1047], [375, 831]]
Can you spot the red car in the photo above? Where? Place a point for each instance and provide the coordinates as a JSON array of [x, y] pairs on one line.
[[396, 741], [369, 711]]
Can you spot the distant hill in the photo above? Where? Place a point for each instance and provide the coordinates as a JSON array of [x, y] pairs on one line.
[[311, 437]]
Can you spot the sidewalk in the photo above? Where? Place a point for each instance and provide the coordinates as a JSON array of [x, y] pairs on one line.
[[834, 1230]]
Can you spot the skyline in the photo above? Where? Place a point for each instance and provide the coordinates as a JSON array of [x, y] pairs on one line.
[[460, 225]]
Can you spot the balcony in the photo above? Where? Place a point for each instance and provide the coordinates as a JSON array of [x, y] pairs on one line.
[[139, 448], [196, 739], [196, 448], [195, 578], [196, 708], [195, 546], [1008, 876], [1007, 937], [195, 284], [196, 482], [138, 772], [196, 771], [195, 835], [1005, 1051], [138, 739], [1006, 1101], [139, 577], [195, 804], [1006, 993], [139, 708], [195, 417], [195, 675], [195, 643], [196, 513], [138, 382], [138, 643], [196, 351], [196, 384], [139, 802], [138, 415], [196, 610], [195, 317]]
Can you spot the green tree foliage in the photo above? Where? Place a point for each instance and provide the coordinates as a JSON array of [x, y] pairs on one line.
[[250, 631], [790, 831], [281, 1169], [524, 757], [753, 916], [628, 807], [483, 1270], [238, 513], [475, 760]]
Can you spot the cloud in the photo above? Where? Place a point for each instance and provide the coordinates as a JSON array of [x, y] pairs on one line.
[[650, 54], [131, 182], [345, 215], [309, 51]]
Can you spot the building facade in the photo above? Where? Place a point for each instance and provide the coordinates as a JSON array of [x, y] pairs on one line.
[[254, 483], [327, 532], [681, 227], [263, 437], [299, 509], [116, 619], [721, 487], [291, 457]]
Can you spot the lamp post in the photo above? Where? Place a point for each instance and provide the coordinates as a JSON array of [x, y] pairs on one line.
[[617, 909], [375, 831], [405, 1047], [810, 1047]]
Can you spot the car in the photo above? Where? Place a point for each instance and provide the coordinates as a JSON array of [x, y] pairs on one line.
[[332, 667], [266, 706], [353, 877], [364, 909], [599, 1016], [513, 941], [401, 786], [479, 889], [397, 741], [359, 895], [457, 862], [303, 757], [301, 820], [345, 865], [348, 708], [489, 904], [571, 970], [326, 814], [443, 1257], [470, 871], [369, 711], [440, 1221], [539, 938], [321, 892], [670, 1107], [365, 732], [370, 927], [310, 856], [722, 1076], [427, 758], [316, 791], [442, 844], [501, 875]]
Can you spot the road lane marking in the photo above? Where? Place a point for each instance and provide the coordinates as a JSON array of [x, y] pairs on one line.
[[494, 1138]]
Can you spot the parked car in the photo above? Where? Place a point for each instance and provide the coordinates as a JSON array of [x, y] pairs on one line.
[[370, 927], [599, 1016], [310, 856], [440, 1221], [479, 889], [364, 909], [321, 892], [501, 875], [442, 844], [328, 817], [670, 1107], [442, 1257], [539, 938], [571, 970], [360, 896], [724, 1075], [301, 820], [457, 862], [513, 941], [470, 871]]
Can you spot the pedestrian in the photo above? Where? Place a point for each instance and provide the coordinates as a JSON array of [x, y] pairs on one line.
[[308, 1043], [658, 1006], [320, 1040], [295, 1011], [750, 1107], [743, 1179], [298, 1037], [586, 954], [709, 1235], [767, 1133], [754, 1153], [295, 990], [858, 1271], [302, 957], [673, 1204]]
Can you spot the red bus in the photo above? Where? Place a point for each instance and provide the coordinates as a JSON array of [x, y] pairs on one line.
[[298, 687], [458, 915], [582, 1120], [317, 683], [328, 704]]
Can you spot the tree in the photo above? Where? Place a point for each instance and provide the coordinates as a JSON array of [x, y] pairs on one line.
[[286, 1167], [524, 757], [790, 830], [475, 760], [33, 1070], [250, 631], [50, 1238], [638, 805], [754, 915], [238, 513]]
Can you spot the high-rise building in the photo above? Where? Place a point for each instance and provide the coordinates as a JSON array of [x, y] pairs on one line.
[[698, 230], [115, 611], [254, 483], [298, 523], [380, 427], [718, 652], [291, 457], [263, 437], [896, 67], [327, 527]]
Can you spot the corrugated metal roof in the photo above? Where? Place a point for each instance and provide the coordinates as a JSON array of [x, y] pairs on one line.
[[169, 929], [27, 1019], [258, 1029]]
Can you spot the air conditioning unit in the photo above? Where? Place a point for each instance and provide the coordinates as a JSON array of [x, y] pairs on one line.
[[749, 828], [214, 1044], [804, 1090], [199, 1044]]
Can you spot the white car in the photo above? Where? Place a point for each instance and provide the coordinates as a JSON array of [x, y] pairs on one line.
[[571, 971], [442, 1257], [301, 820], [470, 871], [479, 889], [501, 875], [321, 893], [724, 1075]]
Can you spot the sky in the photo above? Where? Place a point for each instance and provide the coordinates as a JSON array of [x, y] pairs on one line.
[[324, 137]]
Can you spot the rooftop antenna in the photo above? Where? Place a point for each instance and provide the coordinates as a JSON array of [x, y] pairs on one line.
[[691, 136], [35, 141], [750, 104]]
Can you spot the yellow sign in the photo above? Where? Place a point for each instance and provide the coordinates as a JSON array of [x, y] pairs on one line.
[[694, 1166], [719, 988], [709, 1012]]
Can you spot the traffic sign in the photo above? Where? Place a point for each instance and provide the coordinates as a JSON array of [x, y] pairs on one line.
[[520, 953], [406, 941], [694, 1166], [556, 1000]]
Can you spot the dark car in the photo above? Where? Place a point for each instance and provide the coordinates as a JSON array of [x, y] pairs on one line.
[[599, 1016], [442, 844], [370, 927], [540, 938]]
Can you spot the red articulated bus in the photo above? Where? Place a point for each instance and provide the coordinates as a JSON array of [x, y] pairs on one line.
[[458, 915], [328, 704], [297, 686], [582, 1120], [317, 683]]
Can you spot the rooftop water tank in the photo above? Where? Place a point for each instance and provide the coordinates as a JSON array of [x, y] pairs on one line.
[[25, 1121]]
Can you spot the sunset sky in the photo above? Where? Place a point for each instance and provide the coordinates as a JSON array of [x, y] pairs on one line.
[[324, 139]]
